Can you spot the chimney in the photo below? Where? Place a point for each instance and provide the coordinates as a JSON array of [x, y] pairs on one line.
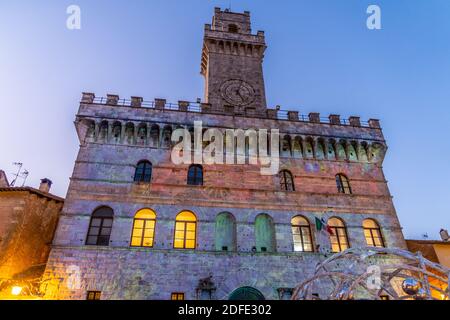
[[45, 185], [444, 235], [3, 180]]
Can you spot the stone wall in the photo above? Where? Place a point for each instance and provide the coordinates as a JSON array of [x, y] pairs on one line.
[[27, 224], [154, 274]]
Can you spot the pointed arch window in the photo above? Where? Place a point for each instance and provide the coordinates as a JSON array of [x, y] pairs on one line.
[[286, 181], [301, 232], [143, 172], [372, 233], [143, 228], [338, 236], [343, 184], [195, 175], [100, 227], [185, 236]]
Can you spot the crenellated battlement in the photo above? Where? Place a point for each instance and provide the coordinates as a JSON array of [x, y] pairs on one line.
[[198, 107]]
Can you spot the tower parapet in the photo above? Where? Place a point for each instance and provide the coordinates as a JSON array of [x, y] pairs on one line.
[[231, 62]]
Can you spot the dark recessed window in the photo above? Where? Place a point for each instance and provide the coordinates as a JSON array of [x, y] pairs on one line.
[[195, 175], [286, 181], [143, 172], [100, 227], [93, 295], [233, 28], [343, 184]]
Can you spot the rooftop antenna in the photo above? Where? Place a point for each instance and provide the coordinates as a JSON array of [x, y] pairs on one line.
[[18, 164], [24, 175]]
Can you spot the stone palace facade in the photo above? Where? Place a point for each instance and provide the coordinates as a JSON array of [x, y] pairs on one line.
[[137, 226]]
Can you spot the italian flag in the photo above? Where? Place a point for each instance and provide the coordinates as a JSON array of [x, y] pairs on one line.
[[322, 225]]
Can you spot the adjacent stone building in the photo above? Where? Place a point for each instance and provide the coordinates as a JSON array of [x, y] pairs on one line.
[[28, 219], [137, 226]]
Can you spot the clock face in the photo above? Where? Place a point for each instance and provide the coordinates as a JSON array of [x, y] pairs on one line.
[[237, 92]]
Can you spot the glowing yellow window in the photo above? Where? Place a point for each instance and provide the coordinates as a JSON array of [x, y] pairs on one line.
[[338, 237], [185, 231], [372, 233], [143, 228]]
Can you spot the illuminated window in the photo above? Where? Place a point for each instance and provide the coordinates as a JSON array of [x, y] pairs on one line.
[[195, 175], [301, 233], [338, 238], [93, 295], [100, 227], [177, 296], [372, 232], [143, 172], [143, 228], [286, 181], [185, 231], [384, 297], [343, 184]]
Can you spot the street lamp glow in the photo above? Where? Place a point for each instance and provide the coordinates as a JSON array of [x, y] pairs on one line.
[[16, 290]]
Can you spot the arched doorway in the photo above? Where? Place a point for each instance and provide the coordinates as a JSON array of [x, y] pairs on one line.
[[246, 293]]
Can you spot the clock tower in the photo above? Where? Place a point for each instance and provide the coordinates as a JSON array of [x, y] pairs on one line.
[[232, 63]]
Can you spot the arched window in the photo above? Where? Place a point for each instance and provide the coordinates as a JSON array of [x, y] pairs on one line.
[[166, 137], [301, 233], [195, 175], [286, 146], [343, 185], [338, 236], [264, 233], [143, 228], [117, 132], [225, 232], [372, 232], [185, 231], [154, 136], [286, 181], [100, 227], [143, 172]]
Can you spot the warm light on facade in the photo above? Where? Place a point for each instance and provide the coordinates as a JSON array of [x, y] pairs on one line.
[[16, 290]]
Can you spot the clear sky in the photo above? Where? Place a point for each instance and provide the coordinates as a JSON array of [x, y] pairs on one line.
[[320, 58]]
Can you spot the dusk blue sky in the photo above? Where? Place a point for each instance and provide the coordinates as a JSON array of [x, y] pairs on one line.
[[320, 58]]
